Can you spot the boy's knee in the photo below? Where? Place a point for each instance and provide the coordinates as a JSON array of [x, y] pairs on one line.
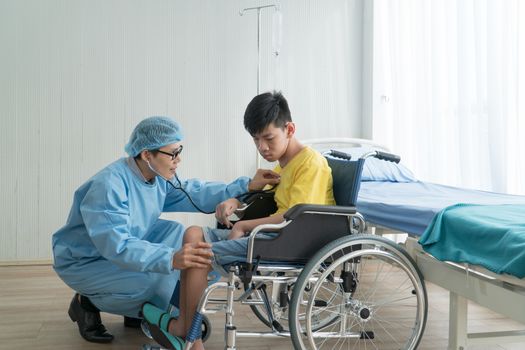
[[193, 234]]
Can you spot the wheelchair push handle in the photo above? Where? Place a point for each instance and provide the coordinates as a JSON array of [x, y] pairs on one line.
[[388, 156], [339, 154]]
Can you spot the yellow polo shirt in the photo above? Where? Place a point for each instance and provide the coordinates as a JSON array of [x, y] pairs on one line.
[[307, 178]]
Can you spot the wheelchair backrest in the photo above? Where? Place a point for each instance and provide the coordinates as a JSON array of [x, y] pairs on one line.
[[346, 175]]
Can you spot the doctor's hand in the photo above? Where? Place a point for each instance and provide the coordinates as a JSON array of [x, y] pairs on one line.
[[197, 255], [225, 209], [262, 178]]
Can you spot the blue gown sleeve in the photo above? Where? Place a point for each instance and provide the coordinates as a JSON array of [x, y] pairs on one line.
[[204, 193], [106, 215]]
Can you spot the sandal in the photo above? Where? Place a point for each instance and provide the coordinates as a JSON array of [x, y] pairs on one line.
[[166, 339], [156, 316]]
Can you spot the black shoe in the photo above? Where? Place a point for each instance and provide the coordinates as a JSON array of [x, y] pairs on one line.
[[132, 322], [88, 320]]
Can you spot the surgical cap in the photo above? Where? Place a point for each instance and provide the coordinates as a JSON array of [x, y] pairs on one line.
[[153, 133]]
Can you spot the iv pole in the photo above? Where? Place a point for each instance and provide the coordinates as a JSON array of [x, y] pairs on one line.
[[241, 13]]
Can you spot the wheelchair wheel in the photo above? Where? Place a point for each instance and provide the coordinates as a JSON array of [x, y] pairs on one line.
[[368, 287]]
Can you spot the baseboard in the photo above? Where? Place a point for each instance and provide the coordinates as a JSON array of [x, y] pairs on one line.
[[26, 262]]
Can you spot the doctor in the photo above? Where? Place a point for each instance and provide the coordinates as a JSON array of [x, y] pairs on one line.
[[114, 251]]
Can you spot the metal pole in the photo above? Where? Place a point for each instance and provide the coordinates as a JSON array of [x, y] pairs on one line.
[[258, 8], [258, 51]]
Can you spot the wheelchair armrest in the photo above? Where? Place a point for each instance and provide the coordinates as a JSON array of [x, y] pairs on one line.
[[299, 209], [262, 229]]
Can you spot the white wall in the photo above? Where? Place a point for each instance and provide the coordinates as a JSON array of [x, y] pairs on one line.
[[76, 76]]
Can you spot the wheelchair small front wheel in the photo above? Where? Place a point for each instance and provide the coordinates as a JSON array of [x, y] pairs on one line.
[[206, 328], [371, 290]]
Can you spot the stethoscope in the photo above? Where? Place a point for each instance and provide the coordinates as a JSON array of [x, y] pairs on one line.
[[179, 187]]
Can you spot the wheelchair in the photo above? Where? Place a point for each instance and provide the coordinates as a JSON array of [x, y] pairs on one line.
[[323, 282]]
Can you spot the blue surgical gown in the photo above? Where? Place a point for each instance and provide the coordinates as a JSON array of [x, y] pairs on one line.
[[115, 250]]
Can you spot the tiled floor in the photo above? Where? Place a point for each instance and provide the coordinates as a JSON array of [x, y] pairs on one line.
[[34, 301]]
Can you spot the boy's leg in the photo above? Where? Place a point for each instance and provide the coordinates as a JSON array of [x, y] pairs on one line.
[[193, 282]]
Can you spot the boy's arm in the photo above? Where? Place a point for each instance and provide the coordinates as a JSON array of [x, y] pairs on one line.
[[242, 227], [261, 178]]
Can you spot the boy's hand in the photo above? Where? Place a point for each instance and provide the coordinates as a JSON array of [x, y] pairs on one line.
[[237, 231], [225, 209], [262, 178]]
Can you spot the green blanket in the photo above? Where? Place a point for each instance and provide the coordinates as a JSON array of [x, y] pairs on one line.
[[492, 236]]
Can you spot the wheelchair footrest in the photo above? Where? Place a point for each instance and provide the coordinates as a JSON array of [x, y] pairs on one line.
[[151, 347], [277, 326]]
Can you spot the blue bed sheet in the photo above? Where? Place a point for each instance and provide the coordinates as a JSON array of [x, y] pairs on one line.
[[411, 206], [492, 236]]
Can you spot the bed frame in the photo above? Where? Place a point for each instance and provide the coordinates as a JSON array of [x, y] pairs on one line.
[[503, 294]]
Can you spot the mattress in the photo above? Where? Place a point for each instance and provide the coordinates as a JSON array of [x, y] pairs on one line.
[[410, 206]]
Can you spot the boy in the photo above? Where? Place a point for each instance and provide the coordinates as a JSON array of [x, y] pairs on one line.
[[305, 177]]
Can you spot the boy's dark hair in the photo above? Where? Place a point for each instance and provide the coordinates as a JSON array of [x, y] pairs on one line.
[[264, 109]]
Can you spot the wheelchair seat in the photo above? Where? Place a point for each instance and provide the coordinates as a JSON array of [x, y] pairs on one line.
[[311, 227]]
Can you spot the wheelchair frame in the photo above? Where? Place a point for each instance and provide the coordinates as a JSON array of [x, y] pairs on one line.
[[335, 329], [357, 291]]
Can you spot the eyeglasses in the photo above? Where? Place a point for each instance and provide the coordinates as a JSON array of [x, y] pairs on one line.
[[174, 154]]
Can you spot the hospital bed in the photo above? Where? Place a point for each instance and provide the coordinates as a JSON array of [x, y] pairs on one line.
[[321, 281], [409, 206]]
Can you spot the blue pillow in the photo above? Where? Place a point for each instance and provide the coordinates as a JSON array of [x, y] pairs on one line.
[[380, 170]]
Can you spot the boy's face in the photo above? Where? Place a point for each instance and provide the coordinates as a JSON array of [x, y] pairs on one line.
[[273, 141]]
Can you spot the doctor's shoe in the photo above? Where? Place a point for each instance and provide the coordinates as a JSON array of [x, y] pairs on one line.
[[132, 322], [87, 317]]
